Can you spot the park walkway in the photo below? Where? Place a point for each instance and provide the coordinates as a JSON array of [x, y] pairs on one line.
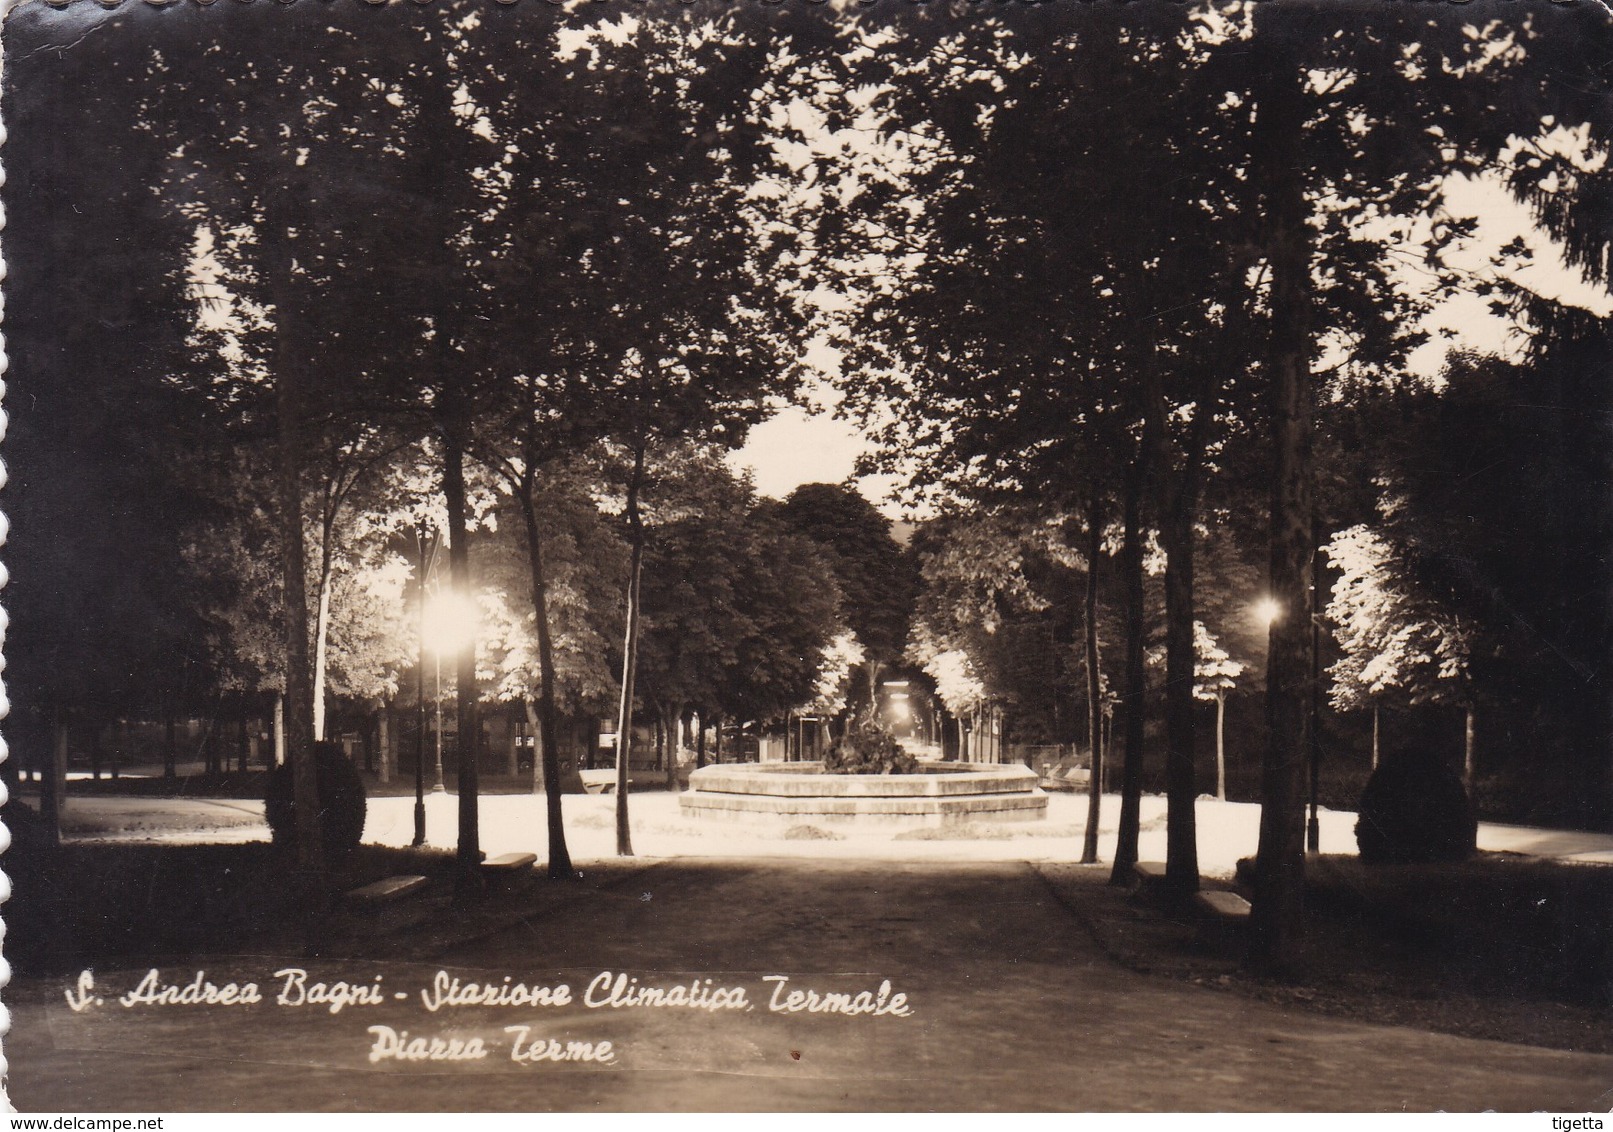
[[1012, 1005], [513, 823]]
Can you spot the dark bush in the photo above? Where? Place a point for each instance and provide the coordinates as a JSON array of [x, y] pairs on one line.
[[341, 803], [868, 748], [1414, 808]]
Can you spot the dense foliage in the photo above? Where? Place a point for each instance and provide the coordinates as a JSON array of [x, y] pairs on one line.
[[341, 804], [1414, 809], [1146, 307]]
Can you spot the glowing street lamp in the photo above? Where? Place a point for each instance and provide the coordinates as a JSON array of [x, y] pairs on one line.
[[447, 624], [1267, 610], [897, 707]]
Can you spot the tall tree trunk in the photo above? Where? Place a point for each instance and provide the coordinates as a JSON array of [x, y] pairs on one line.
[[387, 738], [1279, 883], [170, 747], [52, 788], [1134, 706], [1374, 734], [673, 726], [1104, 733], [1178, 501], [58, 766], [535, 728], [322, 641], [206, 750], [1181, 787], [1585, 686], [624, 714], [299, 706], [1469, 749], [700, 743], [1220, 745], [716, 751], [548, 754], [242, 744], [285, 217], [512, 758], [279, 729], [469, 853], [1089, 843], [579, 741]]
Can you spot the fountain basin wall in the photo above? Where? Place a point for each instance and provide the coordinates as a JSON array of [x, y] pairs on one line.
[[940, 794]]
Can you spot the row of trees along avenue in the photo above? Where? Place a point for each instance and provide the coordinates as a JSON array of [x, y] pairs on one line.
[[1143, 307]]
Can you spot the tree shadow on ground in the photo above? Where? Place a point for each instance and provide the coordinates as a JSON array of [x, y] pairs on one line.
[[1497, 947]]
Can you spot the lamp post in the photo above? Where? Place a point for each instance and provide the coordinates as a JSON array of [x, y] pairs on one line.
[[436, 698], [448, 624], [420, 701], [1313, 829]]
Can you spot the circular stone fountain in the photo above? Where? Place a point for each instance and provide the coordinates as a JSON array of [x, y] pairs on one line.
[[940, 793]]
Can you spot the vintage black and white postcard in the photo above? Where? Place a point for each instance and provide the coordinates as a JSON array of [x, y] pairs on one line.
[[731, 555]]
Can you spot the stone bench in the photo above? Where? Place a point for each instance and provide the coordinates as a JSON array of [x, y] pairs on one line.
[[1151, 883], [1149, 874], [1223, 917], [1074, 779], [506, 868], [387, 890], [1225, 907], [600, 781]]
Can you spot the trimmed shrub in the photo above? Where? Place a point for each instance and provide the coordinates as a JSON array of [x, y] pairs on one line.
[[1414, 808], [341, 803]]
